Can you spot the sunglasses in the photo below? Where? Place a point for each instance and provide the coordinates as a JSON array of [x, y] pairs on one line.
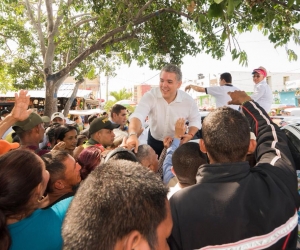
[[256, 76]]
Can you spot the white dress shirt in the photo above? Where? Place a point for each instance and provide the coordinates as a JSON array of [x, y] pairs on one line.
[[173, 190], [163, 115], [263, 95], [221, 95]]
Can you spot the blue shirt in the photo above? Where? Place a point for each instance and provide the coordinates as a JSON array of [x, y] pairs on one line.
[[167, 173], [41, 230]]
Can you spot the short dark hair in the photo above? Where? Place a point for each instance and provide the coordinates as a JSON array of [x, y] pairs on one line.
[[171, 68], [116, 109], [20, 173], [186, 160], [120, 153], [92, 118], [226, 77], [54, 164], [226, 134], [50, 132], [114, 200]]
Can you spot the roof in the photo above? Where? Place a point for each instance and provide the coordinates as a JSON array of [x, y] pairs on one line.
[[42, 93]]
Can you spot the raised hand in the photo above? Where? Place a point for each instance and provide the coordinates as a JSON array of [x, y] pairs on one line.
[[20, 111], [167, 141], [187, 88], [180, 128]]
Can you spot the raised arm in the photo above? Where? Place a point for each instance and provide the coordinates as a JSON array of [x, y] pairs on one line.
[[179, 132], [19, 112], [194, 87], [272, 145]]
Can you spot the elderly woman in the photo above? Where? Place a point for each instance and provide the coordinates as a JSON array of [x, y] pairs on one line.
[[23, 180]]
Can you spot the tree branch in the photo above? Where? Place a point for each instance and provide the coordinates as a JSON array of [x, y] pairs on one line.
[[49, 15], [85, 21], [81, 15], [143, 9], [36, 26], [102, 42]]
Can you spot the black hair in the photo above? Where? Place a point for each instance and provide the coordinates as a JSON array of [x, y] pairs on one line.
[[226, 77], [54, 164], [186, 160], [226, 134], [60, 132], [120, 154], [116, 109], [114, 200]]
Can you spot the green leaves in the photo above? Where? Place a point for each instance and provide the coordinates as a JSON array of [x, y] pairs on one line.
[[215, 10]]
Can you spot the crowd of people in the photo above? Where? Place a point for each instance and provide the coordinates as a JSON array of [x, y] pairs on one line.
[[107, 187]]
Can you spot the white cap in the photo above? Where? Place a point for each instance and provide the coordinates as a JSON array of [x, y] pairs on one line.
[[57, 114]]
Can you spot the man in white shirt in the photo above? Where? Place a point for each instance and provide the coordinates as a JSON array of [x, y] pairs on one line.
[[164, 105], [219, 92], [262, 92]]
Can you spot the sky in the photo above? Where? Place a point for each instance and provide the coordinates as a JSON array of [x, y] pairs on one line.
[[259, 50]]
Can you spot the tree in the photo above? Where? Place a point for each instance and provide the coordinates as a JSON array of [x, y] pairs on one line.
[[46, 41], [118, 96]]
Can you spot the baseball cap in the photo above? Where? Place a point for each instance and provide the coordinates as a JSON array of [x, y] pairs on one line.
[[5, 111], [260, 71], [101, 123], [33, 120], [5, 146], [57, 114]]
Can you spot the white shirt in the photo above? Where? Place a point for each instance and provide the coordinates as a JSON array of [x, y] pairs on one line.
[[163, 115], [263, 95], [173, 190], [221, 95]]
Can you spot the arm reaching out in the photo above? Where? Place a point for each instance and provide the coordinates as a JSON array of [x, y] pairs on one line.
[[20, 111], [133, 130], [194, 87]]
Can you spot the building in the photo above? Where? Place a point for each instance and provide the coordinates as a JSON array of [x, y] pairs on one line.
[[290, 94], [139, 90], [285, 87]]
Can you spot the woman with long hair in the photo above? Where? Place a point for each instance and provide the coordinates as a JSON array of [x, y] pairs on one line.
[[23, 180]]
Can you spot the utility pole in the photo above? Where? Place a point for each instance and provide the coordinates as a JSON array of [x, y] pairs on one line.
[[99, 88]]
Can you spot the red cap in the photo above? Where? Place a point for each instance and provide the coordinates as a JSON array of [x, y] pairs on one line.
[[260, 71], [5, 146]]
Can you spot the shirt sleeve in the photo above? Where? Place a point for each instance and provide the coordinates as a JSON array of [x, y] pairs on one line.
[[194, 116], [214, 91], [143, 108], [167, 173], [258, 93]]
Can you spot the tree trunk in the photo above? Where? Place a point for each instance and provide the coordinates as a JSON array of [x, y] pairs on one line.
[[49, 98], [72, 97]]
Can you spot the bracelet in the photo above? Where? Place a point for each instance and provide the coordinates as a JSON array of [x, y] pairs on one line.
[[132, 133]]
